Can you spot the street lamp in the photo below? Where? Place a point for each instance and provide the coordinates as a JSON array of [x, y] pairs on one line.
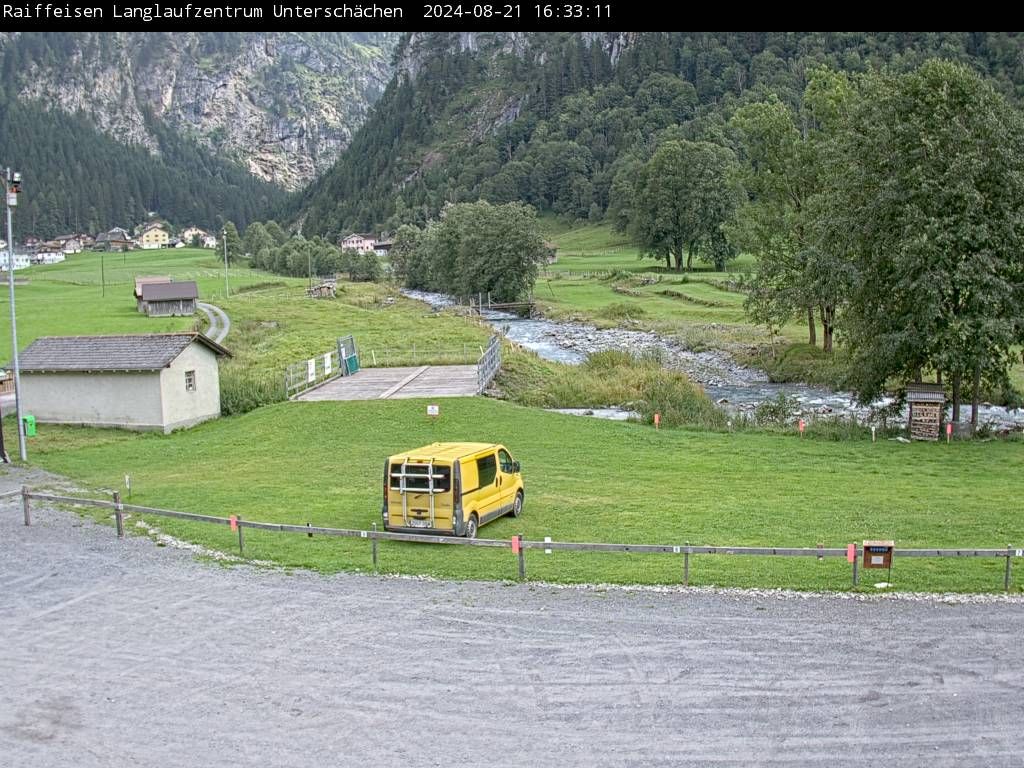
[[12, 186], [224, 236]]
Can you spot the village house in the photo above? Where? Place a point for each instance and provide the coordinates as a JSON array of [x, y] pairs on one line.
[[160, 381], [154, 236], [382, 247], [359, 243], [170, 299], [116, 239], [69, 244], [21, 261]]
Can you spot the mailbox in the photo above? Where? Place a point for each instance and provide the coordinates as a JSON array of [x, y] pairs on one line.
[[878, 554]]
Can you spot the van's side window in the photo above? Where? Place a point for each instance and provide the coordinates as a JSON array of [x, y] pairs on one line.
[[505, 461], [487, 468]]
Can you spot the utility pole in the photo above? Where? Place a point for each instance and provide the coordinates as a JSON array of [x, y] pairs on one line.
[[225, 236], [12, 186]]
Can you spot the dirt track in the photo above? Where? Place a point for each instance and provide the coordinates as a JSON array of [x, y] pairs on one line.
[[125, 653]]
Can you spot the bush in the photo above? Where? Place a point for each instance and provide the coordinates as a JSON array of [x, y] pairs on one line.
[[778, 412], [244, 389], [621, 310]]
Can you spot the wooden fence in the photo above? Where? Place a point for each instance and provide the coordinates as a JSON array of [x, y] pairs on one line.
[[517, 544]]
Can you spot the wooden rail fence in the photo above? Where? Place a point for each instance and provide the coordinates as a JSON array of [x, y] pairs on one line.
[[518, 544]]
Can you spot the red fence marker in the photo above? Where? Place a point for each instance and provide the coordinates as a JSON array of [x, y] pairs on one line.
[[851, 553], [949, 430], [234, 522], [515, 545], [657, 421], [801, 426]]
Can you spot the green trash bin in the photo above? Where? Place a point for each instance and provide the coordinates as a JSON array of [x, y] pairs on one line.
[[351, 364], [30, 424]]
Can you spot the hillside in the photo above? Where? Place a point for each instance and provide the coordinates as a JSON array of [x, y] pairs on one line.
[[553, 118], [199, 127]]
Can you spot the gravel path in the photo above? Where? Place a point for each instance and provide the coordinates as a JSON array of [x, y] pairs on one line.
[[125, 654], [220, 323]]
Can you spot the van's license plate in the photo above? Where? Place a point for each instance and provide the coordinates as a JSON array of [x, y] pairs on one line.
[[419, 523]]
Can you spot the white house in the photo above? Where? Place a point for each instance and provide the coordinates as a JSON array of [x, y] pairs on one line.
[[359, 243], [159, 381], [48, 257], [21, 261], [209, 241]]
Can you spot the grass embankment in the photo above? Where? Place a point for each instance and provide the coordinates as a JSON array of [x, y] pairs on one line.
[[609, 378], [586, 480]]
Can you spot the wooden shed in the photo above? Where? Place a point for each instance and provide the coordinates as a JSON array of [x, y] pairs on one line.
[[146, 280], [170, 299]]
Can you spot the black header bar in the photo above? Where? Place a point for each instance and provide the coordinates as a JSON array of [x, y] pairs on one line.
[[341, 15]]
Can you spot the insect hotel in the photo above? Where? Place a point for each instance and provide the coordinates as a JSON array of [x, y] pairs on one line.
[[927, 404]]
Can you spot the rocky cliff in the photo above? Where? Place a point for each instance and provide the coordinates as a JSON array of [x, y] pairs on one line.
[[282, 105]]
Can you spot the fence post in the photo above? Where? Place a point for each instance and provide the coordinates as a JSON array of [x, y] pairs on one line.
[[1006, 576], [119, 514], [25, 507], [241, 538], [856, 557], [686, 565], [522, 558], [373, 539]]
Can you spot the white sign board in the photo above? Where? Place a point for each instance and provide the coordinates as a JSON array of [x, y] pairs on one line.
[[433, 410], [311, 370], [12, 199], [327, 364]]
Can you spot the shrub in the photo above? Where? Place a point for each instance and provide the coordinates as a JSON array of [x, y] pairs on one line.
[[244, 389]]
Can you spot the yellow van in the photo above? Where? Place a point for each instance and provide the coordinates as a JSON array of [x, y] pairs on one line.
[[450, 488]]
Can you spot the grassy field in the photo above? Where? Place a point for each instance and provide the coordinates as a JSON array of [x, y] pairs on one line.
[[91, 293], [273, 322], [586, 480]]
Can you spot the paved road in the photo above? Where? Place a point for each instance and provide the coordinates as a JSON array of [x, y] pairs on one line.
[[125, 654], [220, 323]]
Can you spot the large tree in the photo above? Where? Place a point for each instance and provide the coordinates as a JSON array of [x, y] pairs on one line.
[[478, 248], [928, 194], [786, 156], [683, 196]]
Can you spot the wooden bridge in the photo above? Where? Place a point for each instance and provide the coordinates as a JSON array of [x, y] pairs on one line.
[[401, 382]]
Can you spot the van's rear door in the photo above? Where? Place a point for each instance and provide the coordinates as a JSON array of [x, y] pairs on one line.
[[420, 495]]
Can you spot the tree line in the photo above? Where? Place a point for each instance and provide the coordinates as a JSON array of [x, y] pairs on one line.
[[890, 208]]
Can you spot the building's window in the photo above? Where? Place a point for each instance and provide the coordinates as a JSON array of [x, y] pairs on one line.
[[190, 381]]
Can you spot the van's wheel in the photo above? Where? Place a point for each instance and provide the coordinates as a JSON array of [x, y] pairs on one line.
[[517, 505], [471, 525]]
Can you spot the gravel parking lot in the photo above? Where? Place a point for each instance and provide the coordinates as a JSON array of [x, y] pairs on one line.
[[123, 653]]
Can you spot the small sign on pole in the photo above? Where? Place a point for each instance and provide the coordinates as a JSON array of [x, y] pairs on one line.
[[234, 522], [433, 411]]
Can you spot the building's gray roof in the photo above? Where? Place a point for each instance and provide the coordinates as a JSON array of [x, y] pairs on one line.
[[169, 291], [143, 352]]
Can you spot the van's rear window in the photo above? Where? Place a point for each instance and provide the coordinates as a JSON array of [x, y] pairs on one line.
[[416, 477]]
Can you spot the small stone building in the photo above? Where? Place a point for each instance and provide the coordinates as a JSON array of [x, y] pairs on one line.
[[157, 381], [169, 299]]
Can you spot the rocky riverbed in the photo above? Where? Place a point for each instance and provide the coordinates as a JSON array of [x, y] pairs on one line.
[[736, 388]]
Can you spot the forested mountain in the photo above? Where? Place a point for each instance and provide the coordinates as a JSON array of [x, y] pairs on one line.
[[553, 119], [199, 127]]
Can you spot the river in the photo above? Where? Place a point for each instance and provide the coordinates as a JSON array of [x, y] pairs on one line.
[[735, 388]]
